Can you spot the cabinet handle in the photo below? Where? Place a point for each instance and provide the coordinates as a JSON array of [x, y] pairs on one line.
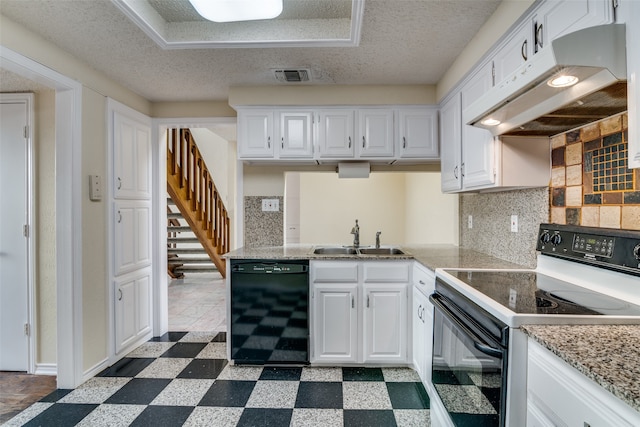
[[282, 142], [353, 303], [367, 301], [363, 142], [120, 295], [462, 170], [349, 142], [404, 142], [119, 217], [269, 142], [420, 312], [421, 282], [538, 38], [119, 183], [455, 172], [523, 50]]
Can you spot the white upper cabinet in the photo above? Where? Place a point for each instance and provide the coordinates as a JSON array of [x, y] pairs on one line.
[[375, 133], [255, 133], [335, 133], [417, 133], [633, 83], [450, 144], [296, 134], [515, 52], [131, 157]]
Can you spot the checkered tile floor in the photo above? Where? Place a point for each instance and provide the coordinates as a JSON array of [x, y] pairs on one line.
[[184, 379]]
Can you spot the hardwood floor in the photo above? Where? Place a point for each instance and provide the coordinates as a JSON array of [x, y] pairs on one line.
[[19, 390]]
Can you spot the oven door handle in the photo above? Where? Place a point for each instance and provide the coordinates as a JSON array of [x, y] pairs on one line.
[[478, 342]]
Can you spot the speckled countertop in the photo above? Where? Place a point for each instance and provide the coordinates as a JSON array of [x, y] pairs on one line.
[[431, 256], [607, 354]]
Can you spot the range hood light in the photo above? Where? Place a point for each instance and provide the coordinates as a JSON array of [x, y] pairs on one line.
[[563, 81], [490, 122]]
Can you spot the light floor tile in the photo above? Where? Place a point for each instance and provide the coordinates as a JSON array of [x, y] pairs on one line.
[[95, 390], [365, 395], [183, 392], [198, 336], [321, 374], [151, 349], [204, 416], [273, 394], [164, 367], [404, 375], [317, 418], [464, 398], [213, 350], [240, 373], [412, 417], [112, 416], [28, 414]]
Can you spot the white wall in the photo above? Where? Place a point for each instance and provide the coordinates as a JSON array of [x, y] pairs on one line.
[[405, 207], [215, 152]]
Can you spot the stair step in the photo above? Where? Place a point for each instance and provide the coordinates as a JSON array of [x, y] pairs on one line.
[[178, 251], [193, 260], [173, 228], [171, 215], [196, 269], [182, 240]]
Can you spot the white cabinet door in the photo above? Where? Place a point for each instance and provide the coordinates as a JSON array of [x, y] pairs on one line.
[[255, 133], [559, 18], [375, 133], [132, 309], [295, 134], [477, 168], [132, 235], [633, 82], [419, 332], [385, 323], [132, 158], [335, 133], [335, 330], [417, 134], [450, 144], [516, 51]]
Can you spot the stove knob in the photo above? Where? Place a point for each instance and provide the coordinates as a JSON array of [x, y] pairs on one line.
[[636, 251], [556, 239], [545, 237]]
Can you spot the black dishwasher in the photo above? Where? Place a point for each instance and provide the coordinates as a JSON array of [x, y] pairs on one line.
[[270, 312]]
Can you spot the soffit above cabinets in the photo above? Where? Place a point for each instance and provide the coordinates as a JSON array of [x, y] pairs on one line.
[[174, 24]]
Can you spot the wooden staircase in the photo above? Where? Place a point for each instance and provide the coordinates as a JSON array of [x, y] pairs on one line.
[[197, 200]]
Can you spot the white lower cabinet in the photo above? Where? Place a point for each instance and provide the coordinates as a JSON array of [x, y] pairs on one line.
[[358, 312], [559, 395], [422, 321], [132, 294]]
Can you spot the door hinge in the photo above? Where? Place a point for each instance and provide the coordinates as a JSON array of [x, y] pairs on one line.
[[25, 230], [27, 329]]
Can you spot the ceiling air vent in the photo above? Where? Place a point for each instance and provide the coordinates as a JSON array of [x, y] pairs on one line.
[[293, 76]]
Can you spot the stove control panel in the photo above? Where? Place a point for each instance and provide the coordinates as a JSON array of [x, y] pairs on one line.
[[613, 249]]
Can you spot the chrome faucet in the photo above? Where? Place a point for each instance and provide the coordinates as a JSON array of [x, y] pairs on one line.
[[378, 239], [356, 234]]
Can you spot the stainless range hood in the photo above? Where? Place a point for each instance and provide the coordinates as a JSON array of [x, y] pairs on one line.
[[525, 104]]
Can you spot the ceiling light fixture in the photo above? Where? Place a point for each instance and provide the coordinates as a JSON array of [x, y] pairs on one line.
[[490, 122], [237, 10], [563, 81]]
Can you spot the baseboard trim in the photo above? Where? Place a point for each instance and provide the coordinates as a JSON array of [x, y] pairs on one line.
[[46, 369], [95, 369]]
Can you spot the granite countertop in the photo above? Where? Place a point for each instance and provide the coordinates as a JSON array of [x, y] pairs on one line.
[[607, 354], [431, 256]]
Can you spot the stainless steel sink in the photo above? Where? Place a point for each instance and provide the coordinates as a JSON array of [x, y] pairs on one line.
[[335, 251], [381, 251]]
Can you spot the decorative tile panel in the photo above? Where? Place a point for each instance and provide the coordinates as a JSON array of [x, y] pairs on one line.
[[591, 183]]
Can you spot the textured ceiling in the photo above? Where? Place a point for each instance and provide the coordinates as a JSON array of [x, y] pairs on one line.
[[402, 42]]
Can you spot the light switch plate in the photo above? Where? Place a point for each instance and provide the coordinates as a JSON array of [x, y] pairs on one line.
[[514, 223], [270, 205], [470, 222], [95, 188]]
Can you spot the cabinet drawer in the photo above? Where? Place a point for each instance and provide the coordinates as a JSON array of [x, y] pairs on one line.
[[423, 279], [334, 272], [386, 272]]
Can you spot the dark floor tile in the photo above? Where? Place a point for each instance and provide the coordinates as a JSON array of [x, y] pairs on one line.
[[221, 337], [61, 415], [250, 355], [139, 391], [160, 416], [169, 337], [475, 420], [228, 393], [56, 395], [185, 349], [362, 374], [281, 374], [259, 417], [408, 396], [319, 395], [447, 377], [127, 367], [369, 418], [203, 369]]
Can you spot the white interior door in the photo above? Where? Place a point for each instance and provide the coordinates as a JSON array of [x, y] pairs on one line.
[[13, 243]]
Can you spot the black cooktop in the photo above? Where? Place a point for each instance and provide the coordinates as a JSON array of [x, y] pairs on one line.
[[529, 292]]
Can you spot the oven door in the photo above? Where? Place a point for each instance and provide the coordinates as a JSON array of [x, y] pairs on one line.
[[469, 368]]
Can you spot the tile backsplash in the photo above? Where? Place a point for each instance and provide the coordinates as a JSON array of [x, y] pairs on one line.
[[591, 184], [262, 228]]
